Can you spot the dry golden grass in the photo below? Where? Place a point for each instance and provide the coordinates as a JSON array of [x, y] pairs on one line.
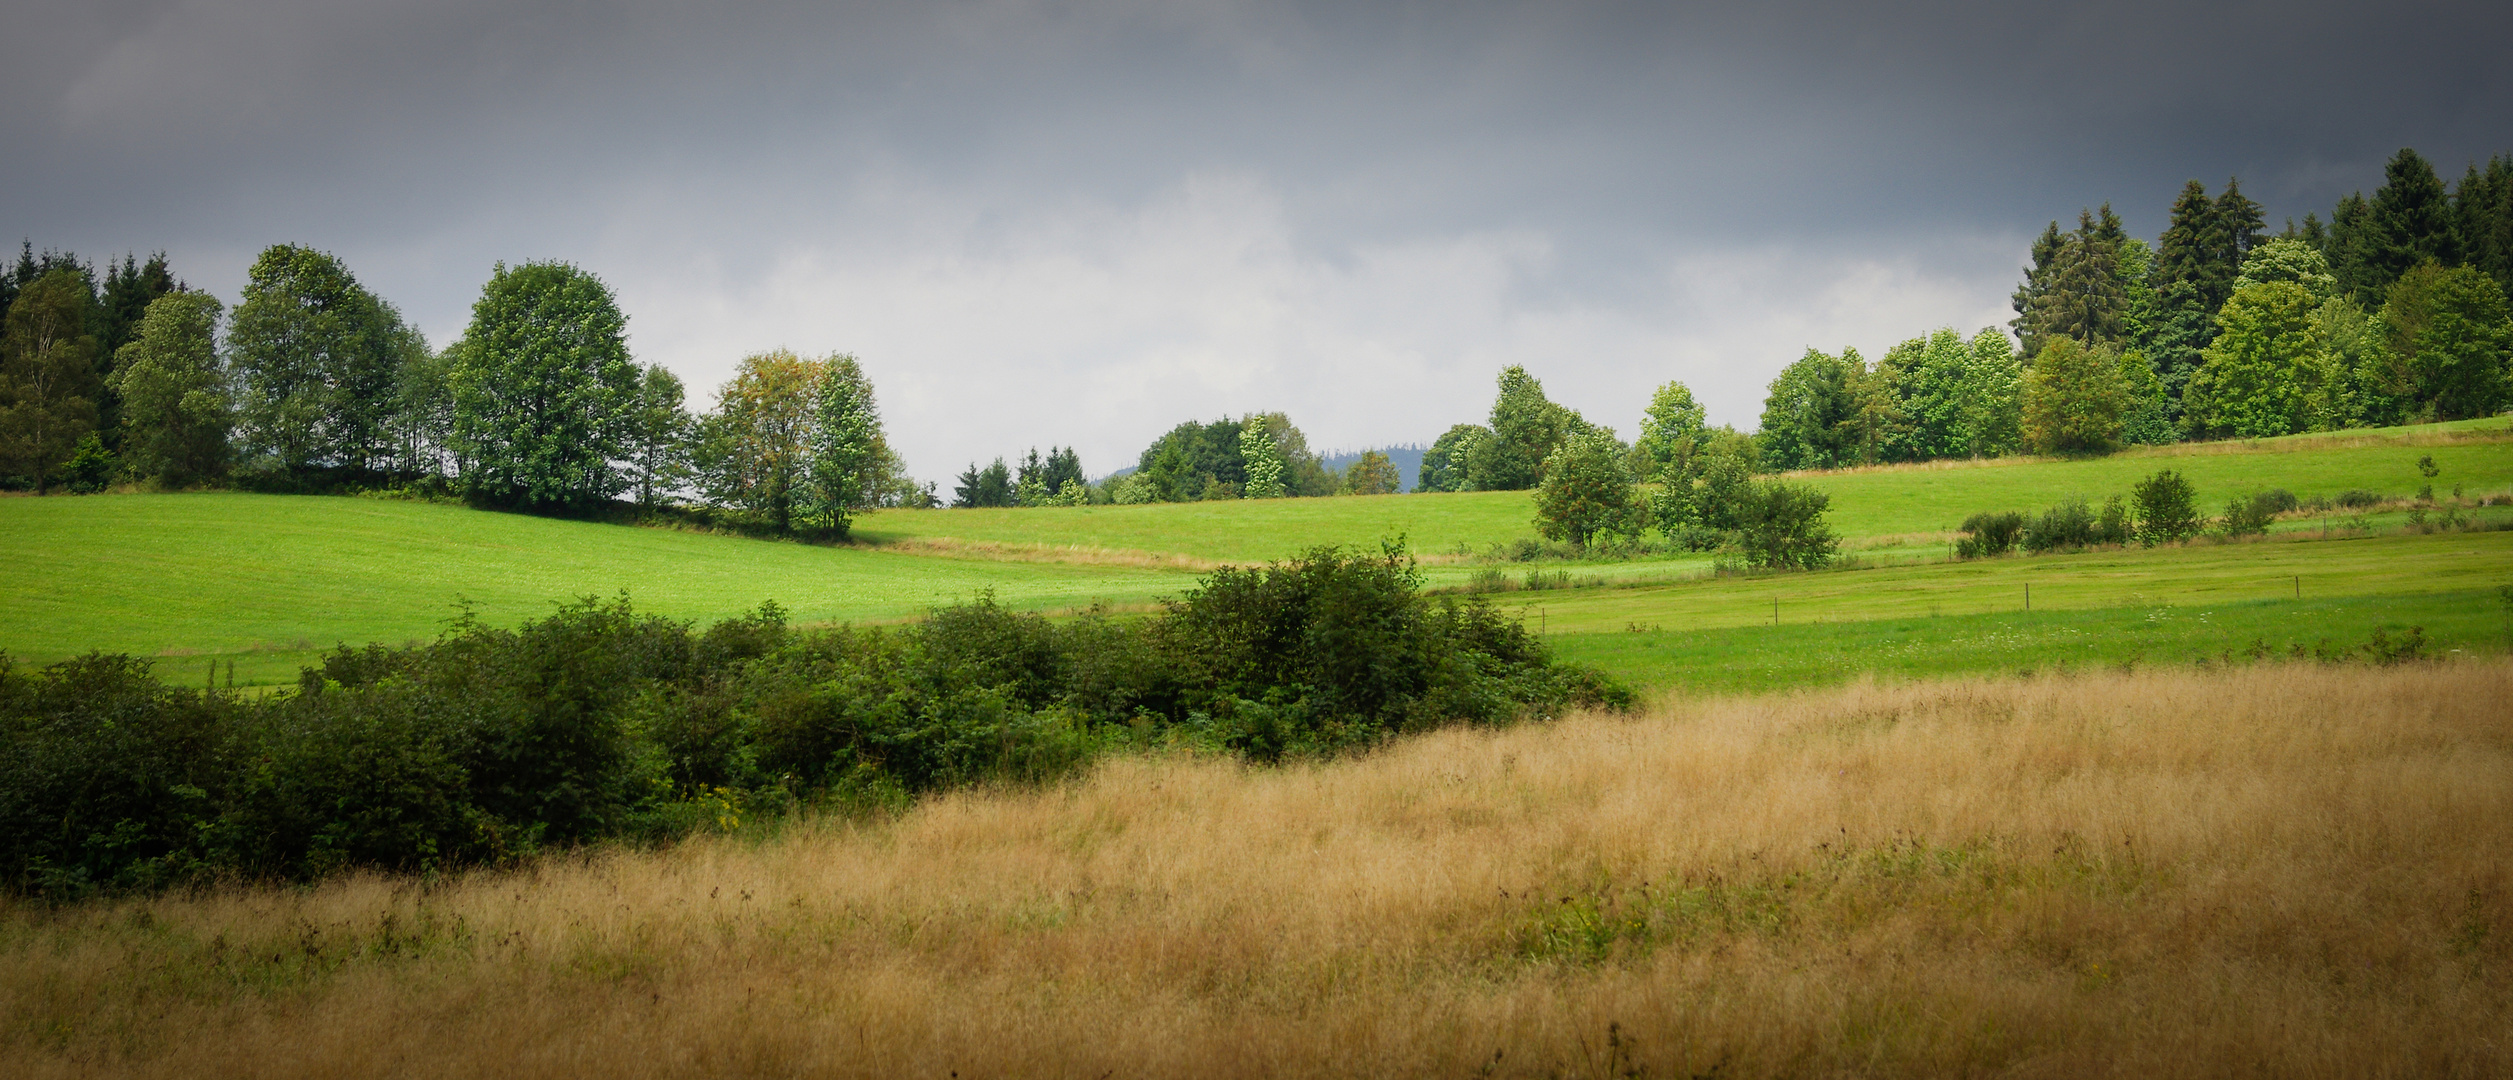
[[2279, 870]]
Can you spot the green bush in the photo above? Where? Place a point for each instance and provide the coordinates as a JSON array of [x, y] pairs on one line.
[[2167, 508], [1988, 535], [597, 722], [2250, 515], [1780, 526]]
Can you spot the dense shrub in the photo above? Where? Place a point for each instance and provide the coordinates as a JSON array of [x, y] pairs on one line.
[[1781, 525], [2075, 525], [2357, 500], [2167, 508], [1987, 535], [598, 722], [2250, 515]]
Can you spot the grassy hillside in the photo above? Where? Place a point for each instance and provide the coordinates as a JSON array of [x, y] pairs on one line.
[[266, 580], [2281, 870], [1869, 505]]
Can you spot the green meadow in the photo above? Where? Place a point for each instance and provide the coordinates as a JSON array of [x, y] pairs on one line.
[[264, 582]]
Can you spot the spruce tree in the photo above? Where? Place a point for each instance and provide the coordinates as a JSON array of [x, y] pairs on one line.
[[2484, 209], [2409, 220], [2349, 250], [2027, 299], [2238, 221], [2084, 297], [2190, 283]]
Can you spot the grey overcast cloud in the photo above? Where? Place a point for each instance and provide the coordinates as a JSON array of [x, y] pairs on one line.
[[1081, 223]]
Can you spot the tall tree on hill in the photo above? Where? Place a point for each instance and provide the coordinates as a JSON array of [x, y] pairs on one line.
[[1526, 428], [545, 394], [316, 359], [755, 448], [174, 392], [2028, 297], [849, 456], [2083, 296], [1444, 465], [2349, 249], [48, 380], [1670, 429], [128, 290], [1811, 413], [2238, 225], [660, 430], [986, 487], [2074, 399], [2483, 207], [1261, 459], [2409, 221], [2450, 326], [2190, 284]]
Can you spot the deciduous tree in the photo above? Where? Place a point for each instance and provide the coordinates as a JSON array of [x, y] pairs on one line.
[[1588, 491], [545, 397], [2073, 399], [316, 358], [175, 409], [48, 377]]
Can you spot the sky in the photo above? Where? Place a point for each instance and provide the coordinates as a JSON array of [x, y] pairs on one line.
[[1080, 224]]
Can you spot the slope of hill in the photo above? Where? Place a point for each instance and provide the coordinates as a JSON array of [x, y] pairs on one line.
[[266, 580]]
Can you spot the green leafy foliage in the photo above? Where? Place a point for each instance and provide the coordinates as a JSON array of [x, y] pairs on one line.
[[1372, 474], [544, 392], [598, 721], [317, 359], [48, 380], [1588, 491], [1780, 526], [1526, 429], [175, 403], [1262, 461], [1986, 535], [1444, 465], [2264, 369], [2167, 508], [2074, 399]]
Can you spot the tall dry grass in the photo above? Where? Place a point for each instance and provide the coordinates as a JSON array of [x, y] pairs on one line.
[[2281, 870]]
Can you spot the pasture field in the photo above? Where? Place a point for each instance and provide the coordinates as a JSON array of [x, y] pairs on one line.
[[266, 582], [1870, 506], [2281, 869]]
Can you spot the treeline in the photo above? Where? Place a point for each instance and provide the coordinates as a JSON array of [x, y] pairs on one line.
[[2394, 311], [1258, 456], [599, 722], [313, 382]]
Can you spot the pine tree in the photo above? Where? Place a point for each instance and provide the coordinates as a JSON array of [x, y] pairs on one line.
[[2349, 250], [2027, 299], [2238, 220], [2410, 220], [2483, 208], [2084, 297], [2189, 286]]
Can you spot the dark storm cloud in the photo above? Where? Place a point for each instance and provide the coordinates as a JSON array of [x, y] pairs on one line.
[[1188, 207]]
